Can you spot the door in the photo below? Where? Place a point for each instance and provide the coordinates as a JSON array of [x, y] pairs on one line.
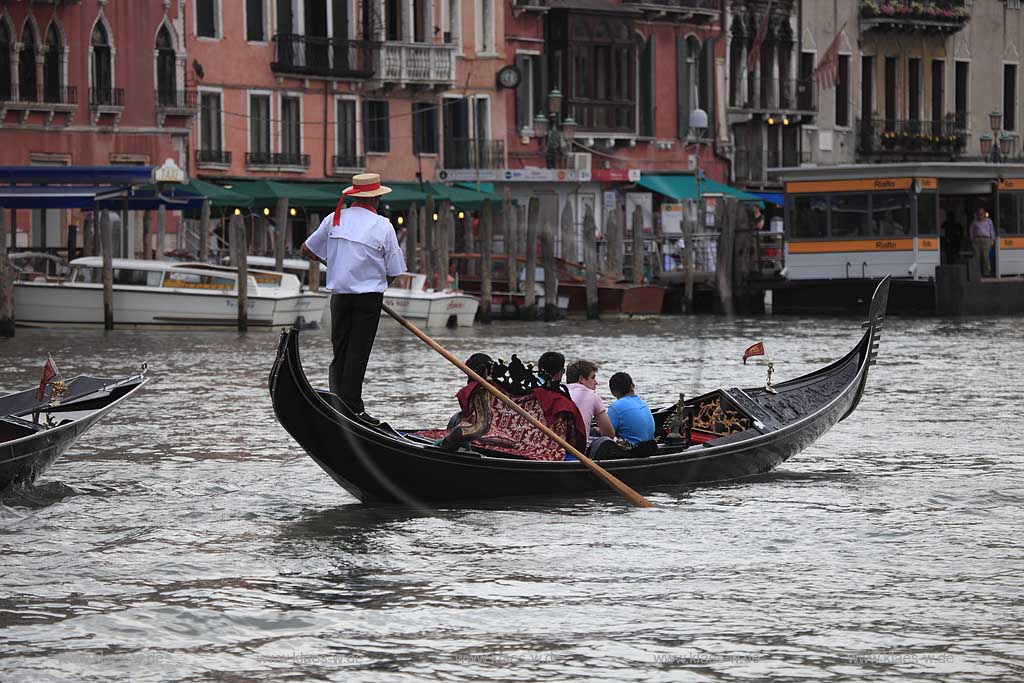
[[316, 34], [456, 132]]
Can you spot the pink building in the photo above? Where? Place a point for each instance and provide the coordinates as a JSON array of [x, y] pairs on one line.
[[91, 83]]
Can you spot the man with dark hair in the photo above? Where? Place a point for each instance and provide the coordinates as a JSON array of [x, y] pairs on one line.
[[582, 379], [551, 366], [630, 415]]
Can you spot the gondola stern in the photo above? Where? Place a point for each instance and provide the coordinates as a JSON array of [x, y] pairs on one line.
[[872, 335]]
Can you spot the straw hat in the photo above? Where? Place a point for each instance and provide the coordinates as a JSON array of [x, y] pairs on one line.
[[366, 185]]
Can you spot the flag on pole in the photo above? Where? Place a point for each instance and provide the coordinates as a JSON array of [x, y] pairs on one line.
[[49, 372], [762, 33], [825, 72], [753, 350]]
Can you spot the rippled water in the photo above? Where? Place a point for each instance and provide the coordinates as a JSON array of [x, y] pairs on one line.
[[186, 537]]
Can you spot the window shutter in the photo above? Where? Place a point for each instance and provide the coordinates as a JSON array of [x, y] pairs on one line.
[[682, 97]]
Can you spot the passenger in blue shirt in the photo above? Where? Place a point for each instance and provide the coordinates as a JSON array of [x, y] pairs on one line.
[[630, 415]]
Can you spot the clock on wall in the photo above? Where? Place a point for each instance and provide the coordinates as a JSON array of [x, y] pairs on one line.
[[509, 77]]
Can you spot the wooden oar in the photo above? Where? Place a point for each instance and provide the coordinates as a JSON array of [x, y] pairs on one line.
[[623, 490]]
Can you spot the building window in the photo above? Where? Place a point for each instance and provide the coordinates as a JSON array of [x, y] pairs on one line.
[[914, 89], [890, 93], [348, 149], [52, 63], [648, 101], [424, 128], [210, 122], [291, 130], [255, 22], [843, 91], [867, 87], [5, 62], [102, 66], [376, 132], [393, 19], [960, 80], [27, 86], [206, 18], [1010, 96], [938, 95], [484, 26], [597, 68], [259, 128], [166, 70], [530, 92]]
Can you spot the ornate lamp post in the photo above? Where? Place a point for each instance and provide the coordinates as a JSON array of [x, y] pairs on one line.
[[698, 128], [990, 149], [555, 132]]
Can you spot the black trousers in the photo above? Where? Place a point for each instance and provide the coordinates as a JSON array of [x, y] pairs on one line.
[[354, 320]]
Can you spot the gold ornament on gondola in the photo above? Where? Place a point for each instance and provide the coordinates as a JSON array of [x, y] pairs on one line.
[[768, 382], [712, 417], [58, 390]]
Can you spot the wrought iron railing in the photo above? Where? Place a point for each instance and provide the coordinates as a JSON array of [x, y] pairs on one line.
[[177, 99], [68, 95], [462, 153], [613, 117], [680, 4], [213, 156], [322, 56], [349, 161], [945, 137], [106, 97], [749, 164], [276, 159]]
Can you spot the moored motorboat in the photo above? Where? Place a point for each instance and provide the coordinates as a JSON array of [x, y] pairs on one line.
[[34, 433], [734, 433], [164, 294]]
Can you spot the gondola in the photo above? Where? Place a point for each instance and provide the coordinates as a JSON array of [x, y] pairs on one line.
[[34, 433], [735, 433]]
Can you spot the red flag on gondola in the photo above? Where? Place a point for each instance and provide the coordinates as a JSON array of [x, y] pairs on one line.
[[49, 372], [753, 350]]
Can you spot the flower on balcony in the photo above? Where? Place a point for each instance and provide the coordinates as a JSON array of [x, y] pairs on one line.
[[915, 9]]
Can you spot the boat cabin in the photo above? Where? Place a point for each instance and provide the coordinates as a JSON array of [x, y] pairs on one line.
[[165, 274], [904, 220]]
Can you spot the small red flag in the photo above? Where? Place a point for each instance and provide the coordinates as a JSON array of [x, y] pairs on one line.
[[762, 33], [49, 372], [753, 350]]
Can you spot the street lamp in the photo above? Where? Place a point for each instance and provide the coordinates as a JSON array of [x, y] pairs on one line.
[[992, 150], [555, 132], [698, 128]]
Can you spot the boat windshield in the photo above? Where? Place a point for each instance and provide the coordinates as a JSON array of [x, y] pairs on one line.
[[122, 276]]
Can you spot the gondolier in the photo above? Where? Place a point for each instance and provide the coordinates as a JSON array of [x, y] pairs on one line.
[[361, 252]]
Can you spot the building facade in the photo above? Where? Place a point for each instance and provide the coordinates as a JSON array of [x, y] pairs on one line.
[[90, 83]]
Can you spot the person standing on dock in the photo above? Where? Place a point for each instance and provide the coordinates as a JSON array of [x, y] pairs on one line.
[[361, 252], [983, 235]]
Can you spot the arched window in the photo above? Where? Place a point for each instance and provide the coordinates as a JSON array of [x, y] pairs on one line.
[[102, 72], [52, 66], [5, 62], [166, 69], [27, 85]]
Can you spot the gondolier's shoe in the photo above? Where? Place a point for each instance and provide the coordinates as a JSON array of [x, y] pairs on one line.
[[366, 418]]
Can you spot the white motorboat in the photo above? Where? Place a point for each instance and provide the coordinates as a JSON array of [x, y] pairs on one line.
[[165, 294], [407, 296]]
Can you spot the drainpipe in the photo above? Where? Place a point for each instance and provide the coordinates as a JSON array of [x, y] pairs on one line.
[[326, 97]]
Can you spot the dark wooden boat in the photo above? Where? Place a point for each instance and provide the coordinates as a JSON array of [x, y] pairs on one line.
[[33, 434], [735, 433]]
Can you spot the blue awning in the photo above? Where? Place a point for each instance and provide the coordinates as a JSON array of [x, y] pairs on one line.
[[684, 187], [88, 198], [776, 198], [77, 175]]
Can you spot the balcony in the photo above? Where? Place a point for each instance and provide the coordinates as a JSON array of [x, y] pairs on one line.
[[427, 64], [55, 100], [914, 16], [176, 103], [349, 161], [749, 165], [691, 11], [910, 139], [213, 158], [460, 153], [106, 102], [325, 57], [776, 95], [276, 159]]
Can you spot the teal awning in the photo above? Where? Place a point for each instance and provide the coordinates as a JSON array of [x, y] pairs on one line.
[[683, 187], [220, 197], [400, 197], [265, 193], [461, 197]]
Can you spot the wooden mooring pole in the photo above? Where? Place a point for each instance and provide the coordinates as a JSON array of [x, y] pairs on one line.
[[429, 236], [161, 231], [412, 239], [204, 231], [530, 287], [486, 264], [6, 282], [638, 245], [509, 221], [147, 234], [313, 278], [550, 271], [613, 239], [590, 262], [107, 252], [240, 251], [281, 233]]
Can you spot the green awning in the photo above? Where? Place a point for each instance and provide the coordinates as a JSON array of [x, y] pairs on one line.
[[684, 187], [400, 197], [265, 193], [220, 197], [461, 197]]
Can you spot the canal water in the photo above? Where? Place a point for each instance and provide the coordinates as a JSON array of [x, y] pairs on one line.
[[187, 538]]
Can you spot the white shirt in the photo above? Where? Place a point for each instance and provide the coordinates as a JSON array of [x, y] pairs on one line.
[[361, 251]]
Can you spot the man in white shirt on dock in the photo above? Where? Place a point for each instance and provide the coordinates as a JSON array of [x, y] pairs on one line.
[[361, 252]]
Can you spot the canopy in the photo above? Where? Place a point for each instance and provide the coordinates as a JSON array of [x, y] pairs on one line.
[[88, 198], [265, 193], [776, 198], [85, 175], [684, 187], [220, 197], [461, 197], [400, 197]]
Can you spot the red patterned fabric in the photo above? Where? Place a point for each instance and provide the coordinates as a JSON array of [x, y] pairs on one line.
[[509, 432]]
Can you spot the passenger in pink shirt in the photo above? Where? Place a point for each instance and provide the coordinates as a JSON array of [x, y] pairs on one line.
[[582, 378]]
